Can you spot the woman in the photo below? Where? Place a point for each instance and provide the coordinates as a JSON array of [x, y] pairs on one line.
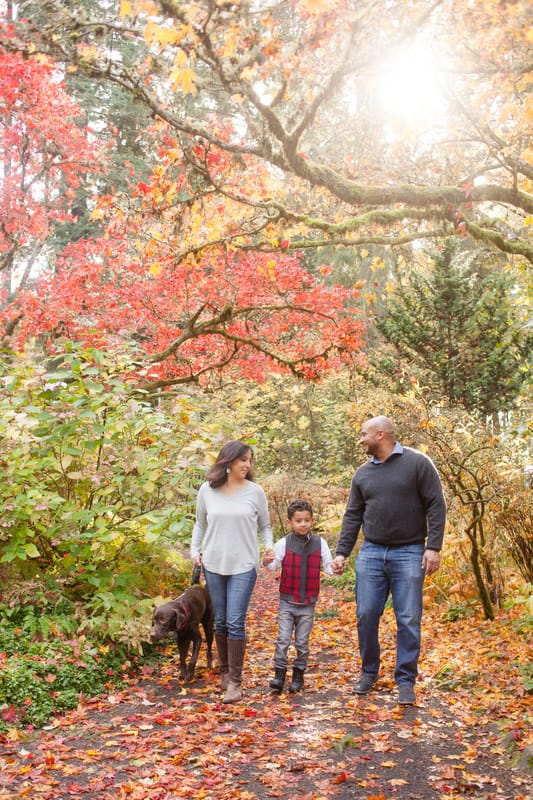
[[230, 509]]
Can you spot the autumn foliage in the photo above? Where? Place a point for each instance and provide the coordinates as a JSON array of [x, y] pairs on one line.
[[296, 87], [45, 156], [158, 738], [166, 278]]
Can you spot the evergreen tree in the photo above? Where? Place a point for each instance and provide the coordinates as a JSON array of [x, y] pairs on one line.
[[460, 329]]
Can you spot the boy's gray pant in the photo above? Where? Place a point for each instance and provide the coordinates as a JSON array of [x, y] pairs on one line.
[[297, 618]]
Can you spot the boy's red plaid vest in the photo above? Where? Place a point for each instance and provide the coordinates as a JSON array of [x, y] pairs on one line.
[[300, 570]]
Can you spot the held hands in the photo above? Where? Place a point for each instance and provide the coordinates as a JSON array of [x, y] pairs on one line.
[[337, 565], [268, 556]]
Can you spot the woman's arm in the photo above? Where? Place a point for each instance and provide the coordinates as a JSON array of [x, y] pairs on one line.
[[199, 526], [263, 520]]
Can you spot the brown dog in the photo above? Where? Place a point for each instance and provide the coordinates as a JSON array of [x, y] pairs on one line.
[[183, 617]]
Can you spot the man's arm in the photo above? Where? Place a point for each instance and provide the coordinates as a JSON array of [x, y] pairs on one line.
[[431, 490], [351, 525]]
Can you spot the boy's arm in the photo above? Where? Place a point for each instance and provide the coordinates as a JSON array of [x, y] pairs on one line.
[[325, 555], [279, 555]]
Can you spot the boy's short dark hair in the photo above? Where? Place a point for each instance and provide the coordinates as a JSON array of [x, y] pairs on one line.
[[298, 505]]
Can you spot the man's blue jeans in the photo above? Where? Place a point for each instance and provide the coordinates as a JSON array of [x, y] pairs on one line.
[[379, 571], [230, 597]]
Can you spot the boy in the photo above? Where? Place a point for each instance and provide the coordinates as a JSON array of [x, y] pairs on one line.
[[300, 555]]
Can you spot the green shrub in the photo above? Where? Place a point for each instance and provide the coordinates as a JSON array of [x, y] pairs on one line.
[[52, 675], [97, 481], [47, 663]]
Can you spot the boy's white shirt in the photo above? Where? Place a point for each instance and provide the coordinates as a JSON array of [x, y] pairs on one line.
[[280, 548]]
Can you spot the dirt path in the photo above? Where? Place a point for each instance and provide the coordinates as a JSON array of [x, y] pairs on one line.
[[160, 740]]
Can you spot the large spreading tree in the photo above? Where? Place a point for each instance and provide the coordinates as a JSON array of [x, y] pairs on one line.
[[299, 88], [276, 132]]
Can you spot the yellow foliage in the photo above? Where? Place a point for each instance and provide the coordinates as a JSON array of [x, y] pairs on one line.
[[248, 73], [230, 43], [183, 79], [164, 35], [316, 6], [267, 270], [182, 76], [88, 52], [146, 7]]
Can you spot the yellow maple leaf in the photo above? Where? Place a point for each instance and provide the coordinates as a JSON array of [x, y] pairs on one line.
[[163, 35], [182, 76], [186, 81], [125, 8], [267, 270]]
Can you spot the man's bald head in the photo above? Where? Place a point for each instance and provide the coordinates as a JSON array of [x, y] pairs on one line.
[[377, 437], [382, 423]]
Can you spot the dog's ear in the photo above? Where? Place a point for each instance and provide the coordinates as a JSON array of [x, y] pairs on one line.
[[174, 619]]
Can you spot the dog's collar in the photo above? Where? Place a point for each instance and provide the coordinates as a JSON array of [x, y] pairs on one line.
[[186, 615]]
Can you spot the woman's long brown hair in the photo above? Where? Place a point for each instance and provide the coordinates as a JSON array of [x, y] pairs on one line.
[[231, 451]]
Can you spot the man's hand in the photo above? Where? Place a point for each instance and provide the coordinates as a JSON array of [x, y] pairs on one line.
[[337, 565], [268, 556], [430, 561]]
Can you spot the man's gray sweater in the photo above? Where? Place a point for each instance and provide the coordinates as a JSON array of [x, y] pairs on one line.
[[395, 502]]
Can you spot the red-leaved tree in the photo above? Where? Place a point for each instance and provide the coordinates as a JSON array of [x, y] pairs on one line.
[[168, 279], [45, 155]]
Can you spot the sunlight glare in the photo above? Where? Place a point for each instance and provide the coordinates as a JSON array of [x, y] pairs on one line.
[[409, 90]]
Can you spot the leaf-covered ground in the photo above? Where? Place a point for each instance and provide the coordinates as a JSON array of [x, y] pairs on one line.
[[158, 739]]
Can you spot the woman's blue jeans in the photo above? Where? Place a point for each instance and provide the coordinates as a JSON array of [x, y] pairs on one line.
[[379, 571], [230, 597]]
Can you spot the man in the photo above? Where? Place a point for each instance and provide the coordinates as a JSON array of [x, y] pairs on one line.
[[396, 498]]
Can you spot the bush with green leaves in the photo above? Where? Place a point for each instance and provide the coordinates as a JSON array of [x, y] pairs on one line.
[[46, 663], [54, 675], [97, 481]]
